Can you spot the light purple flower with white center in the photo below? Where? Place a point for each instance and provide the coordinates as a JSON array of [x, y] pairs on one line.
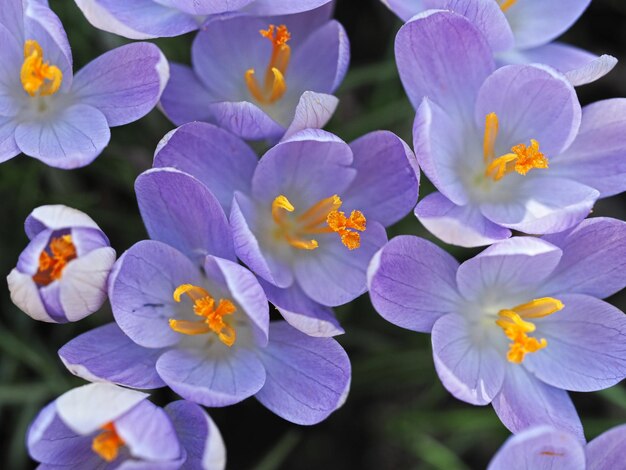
[[104, 426], [375, 175], [520, 323], [188, 316], [62, 274], [261, 77], [523, 32], [508, 149], [546, 448], [53, 116], [148, 19]]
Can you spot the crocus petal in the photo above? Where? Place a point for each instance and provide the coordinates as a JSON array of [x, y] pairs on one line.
[[284, 7], [198, 435], [245, 119], [56, 217], [412, 283], [11, 59], [594, 259], [212, 376], [525, 401], [107, 354], [531, 102], [307, 378], [140, 19], [223, 162], [544, 204], [25, 294], [125, 83], [72, 139], [441, 55], [185, 99], [597, 157], [303, 313], [406, 9], [141, 291], [179, 210], [12, 18], [313, 111], [536, 22], [206, 7], [606, 451], [83, 409], [513, 265], [586, 345], [458, 225], [469, 367], [8, 146], [387, 182], [540, 448]]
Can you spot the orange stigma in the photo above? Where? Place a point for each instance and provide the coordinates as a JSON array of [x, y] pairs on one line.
[[213, 317], [38, 77], [522, 159], [51, 265], [274, 86], [322, 217], [506, 4], [107, 443]]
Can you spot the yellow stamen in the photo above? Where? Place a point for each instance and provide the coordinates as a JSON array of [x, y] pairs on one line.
[[38, 77], [51, 265], [506, 4], [522, 159], [322, 217], [107, 443], [516, 328], [274, 85], [213, 317]]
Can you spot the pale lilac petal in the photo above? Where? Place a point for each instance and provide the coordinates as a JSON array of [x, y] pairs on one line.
[[525, 401], [206, 7], [8, 146], [284, 7], [11, 59], [606, 452], [107, 354], [406, 9], [125, 83], [185, 99], [307, 378], [412, 283], [458, 225], [245, 119], [592, 70], [56, 217], [12, 17], [73, 139], [313, 111], [25, 294]]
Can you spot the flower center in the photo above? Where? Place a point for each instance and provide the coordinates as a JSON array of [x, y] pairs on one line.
[[516, 327], [53, 260], [107, 443], [213, 317], [506, 4], [274, 86], [522, 159], [38, 77], [322, 217]]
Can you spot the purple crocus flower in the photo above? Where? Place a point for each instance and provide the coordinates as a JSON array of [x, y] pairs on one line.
[[46, 112], [507, 149], [519, 324], [546, 448], [261, 77], [521, 32], [104, 426], [190, 317], [308, 218], [62, 274], [146, 19]]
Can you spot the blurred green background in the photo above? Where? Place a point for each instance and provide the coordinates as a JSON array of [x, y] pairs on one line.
[[398, 416]]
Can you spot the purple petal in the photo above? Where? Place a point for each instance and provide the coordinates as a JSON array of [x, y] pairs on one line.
[[8, 146], [246, 120], [185, 99], [469, 367], [387, 182], [307, 378], [586, 346], [12, 17], [525, 401], [221, 161], [107, 354], [593, 259], [73, 139], [179, 210], [458, 225], [56, 217], [606, 452], [11, 59], [25, 295], [540, 448], [515, 265], [125, 83], [313, 111], [406, 9], [141, 291], [284, 7], [592, 70], [597, 157], [212, 376], [206, 7], [412, 283]]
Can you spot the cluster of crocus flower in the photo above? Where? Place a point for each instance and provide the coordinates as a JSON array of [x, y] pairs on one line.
[[498, 131]]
